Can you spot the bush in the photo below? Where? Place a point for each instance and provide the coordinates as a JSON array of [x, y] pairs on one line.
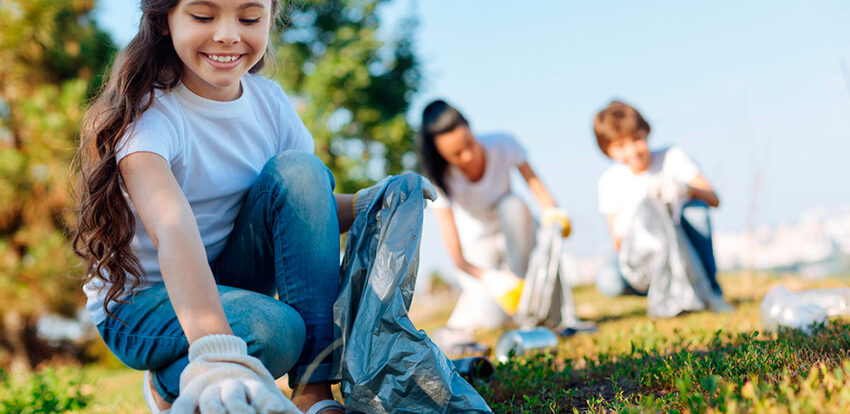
[[44, 392]]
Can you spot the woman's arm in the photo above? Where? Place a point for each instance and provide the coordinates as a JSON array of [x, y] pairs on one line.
[[541, 194], [448, 230], [169, 221], [701, 189], [345, 211]]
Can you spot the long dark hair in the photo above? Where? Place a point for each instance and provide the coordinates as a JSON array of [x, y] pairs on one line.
[[105, 222], [437, 118]]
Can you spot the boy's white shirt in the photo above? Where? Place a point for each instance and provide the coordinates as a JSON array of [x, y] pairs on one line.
[[216, 151], [473, 203], [621, 190]]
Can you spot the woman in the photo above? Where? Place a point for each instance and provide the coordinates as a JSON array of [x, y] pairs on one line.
[[484, 226]]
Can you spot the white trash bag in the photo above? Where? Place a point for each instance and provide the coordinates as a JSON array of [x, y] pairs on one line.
[[801, 310]]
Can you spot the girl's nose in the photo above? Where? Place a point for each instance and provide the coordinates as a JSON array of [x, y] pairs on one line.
[[226, 33]]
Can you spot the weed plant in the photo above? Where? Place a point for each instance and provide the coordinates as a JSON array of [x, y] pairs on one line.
[[48, 391]]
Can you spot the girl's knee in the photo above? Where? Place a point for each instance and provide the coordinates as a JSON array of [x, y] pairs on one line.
[[298, 170], [274, 331]]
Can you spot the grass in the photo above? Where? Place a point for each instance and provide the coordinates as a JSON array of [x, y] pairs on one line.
[[698, 362]]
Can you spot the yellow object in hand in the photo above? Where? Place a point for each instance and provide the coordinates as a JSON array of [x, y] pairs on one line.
[[505, 288], [556, 215]]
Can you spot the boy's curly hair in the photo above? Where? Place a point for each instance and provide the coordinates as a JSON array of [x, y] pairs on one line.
[[616, 121]]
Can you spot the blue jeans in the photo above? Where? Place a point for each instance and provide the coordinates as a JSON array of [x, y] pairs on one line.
[[285, 241], [697, 227]]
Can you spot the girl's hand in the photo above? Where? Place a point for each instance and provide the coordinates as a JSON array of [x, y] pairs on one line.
[[222, 377], [364, 197]]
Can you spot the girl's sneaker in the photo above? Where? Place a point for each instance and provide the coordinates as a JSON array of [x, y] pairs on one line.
[[147, 393]]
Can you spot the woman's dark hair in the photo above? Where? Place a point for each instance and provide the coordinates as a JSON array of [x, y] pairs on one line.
[[105, 222], [438, 118]]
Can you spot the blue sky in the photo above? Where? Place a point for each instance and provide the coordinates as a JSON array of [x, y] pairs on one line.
[[753, 91]]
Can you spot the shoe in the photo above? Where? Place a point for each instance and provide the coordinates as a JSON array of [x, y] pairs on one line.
[[147, 393], [325, 405], [577, 327]]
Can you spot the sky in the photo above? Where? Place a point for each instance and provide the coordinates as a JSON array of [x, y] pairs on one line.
[[753, 91]]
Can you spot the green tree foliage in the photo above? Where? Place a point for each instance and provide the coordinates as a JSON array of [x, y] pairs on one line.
[[352, 88], [52, 54]]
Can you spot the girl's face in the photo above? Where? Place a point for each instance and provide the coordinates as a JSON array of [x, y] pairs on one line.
[[632, 151], [459, 148], [218, 42]]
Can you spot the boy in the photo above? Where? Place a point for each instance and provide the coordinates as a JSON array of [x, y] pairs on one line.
[[666, 174]]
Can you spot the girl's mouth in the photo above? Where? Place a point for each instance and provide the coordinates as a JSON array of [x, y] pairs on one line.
[[223, 61]]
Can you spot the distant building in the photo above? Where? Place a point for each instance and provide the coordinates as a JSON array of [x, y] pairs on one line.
[[817, 245]]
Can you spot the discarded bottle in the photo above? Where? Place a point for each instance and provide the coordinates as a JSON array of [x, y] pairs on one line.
[[474, 368], [523, 341], [801, 310]]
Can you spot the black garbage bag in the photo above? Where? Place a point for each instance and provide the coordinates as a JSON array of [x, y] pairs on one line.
[[385, 364]]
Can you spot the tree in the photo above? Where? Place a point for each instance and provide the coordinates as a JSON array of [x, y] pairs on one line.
[[352, 89], [52, 54]]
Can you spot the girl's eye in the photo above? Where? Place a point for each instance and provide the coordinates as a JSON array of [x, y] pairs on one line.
[[250, 21], [202, 18]]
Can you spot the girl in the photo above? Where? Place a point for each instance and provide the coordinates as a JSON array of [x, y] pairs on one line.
[[201, 201], [483, 225]]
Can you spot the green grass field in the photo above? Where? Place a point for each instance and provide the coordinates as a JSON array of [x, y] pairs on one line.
[[699, 362]]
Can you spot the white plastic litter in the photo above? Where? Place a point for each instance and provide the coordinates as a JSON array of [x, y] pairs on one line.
[[801, 310]]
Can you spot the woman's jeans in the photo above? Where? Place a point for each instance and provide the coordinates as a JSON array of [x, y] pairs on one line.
[[697, 227], [285, 241]]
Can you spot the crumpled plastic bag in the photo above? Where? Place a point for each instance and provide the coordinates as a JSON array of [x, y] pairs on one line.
[[385, 364], [801, 310], [656, 258], [547, 297]]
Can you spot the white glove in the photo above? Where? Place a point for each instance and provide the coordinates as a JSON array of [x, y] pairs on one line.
[[364, 197], [667, 189], [557, 216], [222, 378]]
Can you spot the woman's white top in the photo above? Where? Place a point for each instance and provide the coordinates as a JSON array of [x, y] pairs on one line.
[[473, 203]]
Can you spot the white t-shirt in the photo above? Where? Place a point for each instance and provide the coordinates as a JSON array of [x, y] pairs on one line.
[[473, 203], [216, 151], [621, 190]]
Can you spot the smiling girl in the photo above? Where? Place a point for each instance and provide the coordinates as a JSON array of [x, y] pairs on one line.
[[200, 201]]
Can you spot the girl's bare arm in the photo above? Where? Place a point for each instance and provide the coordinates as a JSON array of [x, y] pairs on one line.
[[169, 221]]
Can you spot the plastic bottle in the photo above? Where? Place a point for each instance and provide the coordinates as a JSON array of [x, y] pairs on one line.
[[800, 310], [523, 341]]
